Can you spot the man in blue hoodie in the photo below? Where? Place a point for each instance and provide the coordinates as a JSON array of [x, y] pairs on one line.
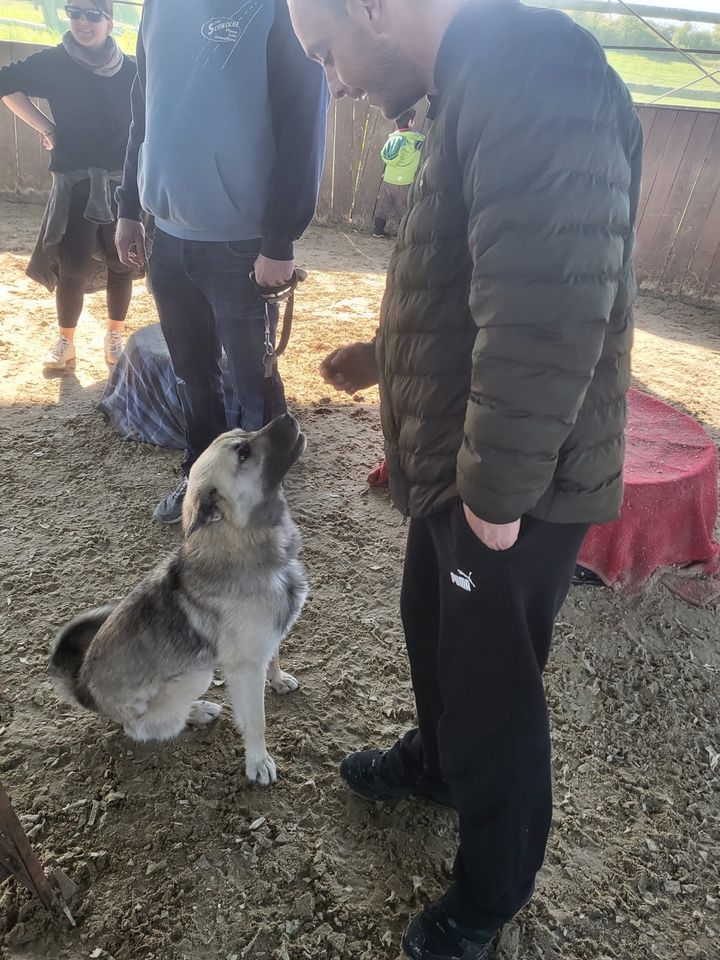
[[225, 151]]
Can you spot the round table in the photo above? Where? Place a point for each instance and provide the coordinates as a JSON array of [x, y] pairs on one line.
[[671, 499]]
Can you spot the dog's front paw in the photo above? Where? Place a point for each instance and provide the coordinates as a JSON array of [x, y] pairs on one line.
[[203, 713], [284, 683], [261, 771]]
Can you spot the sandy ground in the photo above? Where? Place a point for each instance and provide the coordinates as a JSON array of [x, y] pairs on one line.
[[176, 858]]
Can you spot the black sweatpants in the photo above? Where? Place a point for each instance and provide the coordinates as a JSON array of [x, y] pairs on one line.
[[76, 263], [478, 626]]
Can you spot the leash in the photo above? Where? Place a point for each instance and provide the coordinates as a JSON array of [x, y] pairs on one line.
[[271, 295]]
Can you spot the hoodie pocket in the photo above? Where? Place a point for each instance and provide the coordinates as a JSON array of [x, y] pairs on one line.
[[203, 192]]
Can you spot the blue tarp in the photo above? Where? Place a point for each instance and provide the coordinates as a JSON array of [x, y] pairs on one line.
[[141, 399]]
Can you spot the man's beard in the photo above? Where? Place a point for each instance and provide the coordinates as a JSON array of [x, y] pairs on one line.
[[398, 83]]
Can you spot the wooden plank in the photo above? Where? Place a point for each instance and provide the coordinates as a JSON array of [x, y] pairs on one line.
[[18, 856], [421, 121], [361, 128], [711, 290], [357, 214], [369, 184], [693, 219], [711, 285], [666, 232], [8, 158], [343, 186], [647, 116], [652, 156], [31, 158], [325, 197], [695, 282], [649, 256]]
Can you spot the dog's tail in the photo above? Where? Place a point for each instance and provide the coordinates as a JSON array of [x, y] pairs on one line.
[[68, 652]]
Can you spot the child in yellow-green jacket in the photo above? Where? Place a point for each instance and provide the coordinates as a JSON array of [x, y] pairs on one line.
[[401, 156]]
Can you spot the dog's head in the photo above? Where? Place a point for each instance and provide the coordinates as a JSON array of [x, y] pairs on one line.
[[236, 477]]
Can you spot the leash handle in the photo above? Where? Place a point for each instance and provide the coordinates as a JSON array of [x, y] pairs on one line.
[[284, 291], [271, 295]]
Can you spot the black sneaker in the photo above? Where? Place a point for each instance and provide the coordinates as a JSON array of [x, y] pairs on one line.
[[433, 935], [368, 776], [169, 510]]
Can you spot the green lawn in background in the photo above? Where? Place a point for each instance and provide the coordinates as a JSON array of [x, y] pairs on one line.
[[650, 74], [25, 13], [647, 74]]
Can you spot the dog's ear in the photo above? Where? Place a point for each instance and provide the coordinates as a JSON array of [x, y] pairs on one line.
[[206, 511]]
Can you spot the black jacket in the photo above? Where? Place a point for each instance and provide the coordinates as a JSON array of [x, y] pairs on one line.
[[506, 328], [91, 113]]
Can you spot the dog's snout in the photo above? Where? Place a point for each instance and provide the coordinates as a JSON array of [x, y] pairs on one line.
[[285, 425], [285, 443]]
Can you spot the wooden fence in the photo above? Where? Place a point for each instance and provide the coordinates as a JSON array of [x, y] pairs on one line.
[[23, 161], [678, 250], [353, 168]]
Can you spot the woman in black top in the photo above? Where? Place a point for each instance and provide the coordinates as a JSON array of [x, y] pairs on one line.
[[86, 80]]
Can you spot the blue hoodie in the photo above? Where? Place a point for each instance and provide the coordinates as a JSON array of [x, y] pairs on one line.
[[228, 131]]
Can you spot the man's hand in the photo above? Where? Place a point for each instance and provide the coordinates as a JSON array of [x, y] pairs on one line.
[[351, 368], [48, 138], [273, 273], [495, 536], [130, 242]]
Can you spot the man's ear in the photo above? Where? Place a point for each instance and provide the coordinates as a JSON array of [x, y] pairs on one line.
[[205, 511], [370, 13]]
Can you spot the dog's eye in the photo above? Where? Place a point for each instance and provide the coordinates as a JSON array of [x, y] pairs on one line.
[[243, 452]]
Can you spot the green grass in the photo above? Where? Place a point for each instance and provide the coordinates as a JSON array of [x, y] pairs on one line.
[[20, 10], [26, 12], [650, 74], [647, 74], [45, 37], [20, 34]]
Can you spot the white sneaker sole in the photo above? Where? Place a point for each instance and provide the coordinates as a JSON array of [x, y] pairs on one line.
[[67, 364]]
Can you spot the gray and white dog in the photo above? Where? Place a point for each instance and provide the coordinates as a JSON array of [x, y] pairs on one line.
[[225, 599]]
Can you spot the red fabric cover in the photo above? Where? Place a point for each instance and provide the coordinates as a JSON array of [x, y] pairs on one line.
[[699, 591], [671, 500], [379, 476]]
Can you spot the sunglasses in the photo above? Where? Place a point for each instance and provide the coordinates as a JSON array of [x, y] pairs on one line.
[[90, 13]]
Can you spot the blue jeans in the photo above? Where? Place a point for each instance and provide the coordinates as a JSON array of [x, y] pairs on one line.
[[206, 303]]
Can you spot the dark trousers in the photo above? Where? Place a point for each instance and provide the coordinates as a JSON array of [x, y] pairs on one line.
[[206, 303], [392, 202], [478, 626], [77, 247]]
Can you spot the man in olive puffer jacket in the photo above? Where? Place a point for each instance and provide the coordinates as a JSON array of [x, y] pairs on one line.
[[503, 358]]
